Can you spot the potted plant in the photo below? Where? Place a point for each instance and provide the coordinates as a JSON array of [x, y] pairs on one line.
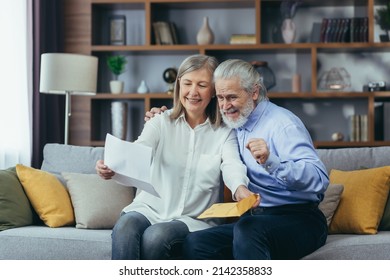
[[383, 20], [116, 64]]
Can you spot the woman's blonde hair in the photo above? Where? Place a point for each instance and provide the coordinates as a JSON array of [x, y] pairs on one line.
[[190, 64]]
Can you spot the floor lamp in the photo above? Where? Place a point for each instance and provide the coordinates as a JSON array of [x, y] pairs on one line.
[[68, 74]]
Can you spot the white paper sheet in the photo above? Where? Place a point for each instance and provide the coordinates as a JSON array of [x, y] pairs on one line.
[[131, 163]]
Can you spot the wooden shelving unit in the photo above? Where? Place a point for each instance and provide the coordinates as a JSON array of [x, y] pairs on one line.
[[86, 32]]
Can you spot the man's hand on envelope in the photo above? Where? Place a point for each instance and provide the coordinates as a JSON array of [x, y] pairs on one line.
[[230, 209], [242, 192]]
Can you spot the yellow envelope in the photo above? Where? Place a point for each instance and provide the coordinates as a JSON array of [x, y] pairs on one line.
[[230, 209]]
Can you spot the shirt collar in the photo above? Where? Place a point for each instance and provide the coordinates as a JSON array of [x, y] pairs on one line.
[[182, 118], [255, 116]]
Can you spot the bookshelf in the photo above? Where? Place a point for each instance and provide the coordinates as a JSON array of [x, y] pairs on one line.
[[324, 112]]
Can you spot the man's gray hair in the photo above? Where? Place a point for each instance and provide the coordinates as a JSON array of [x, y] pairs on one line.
[[245, 72]]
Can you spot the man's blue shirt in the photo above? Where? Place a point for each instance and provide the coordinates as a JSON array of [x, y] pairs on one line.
[[293, 172]]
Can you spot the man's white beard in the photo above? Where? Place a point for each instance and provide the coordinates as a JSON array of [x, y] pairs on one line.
[[242, 118]]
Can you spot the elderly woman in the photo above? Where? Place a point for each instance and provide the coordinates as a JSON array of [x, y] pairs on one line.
[[191, 148]]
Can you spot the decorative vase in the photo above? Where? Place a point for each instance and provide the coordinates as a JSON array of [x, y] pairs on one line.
[[205, 35], [119, 119], [116, 87], [143, 87], [266, 73], [288, 30]]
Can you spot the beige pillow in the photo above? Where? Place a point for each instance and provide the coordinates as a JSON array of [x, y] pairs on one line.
[[363, 200], [47, 195], [97, 202], [331, 200]]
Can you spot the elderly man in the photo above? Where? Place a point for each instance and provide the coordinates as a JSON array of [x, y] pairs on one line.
[[283, 168]]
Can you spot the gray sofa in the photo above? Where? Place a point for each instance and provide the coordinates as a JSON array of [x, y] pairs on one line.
[[38, 241], [41, 242]]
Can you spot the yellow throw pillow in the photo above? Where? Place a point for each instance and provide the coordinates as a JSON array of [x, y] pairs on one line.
[[47, 195], [363, 200]]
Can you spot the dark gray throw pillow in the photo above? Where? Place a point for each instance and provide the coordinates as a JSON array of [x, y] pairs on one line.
[[385, 221], [15, 208], [331, 200]]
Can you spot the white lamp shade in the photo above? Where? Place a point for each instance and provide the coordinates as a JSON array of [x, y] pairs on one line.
[[65, 72]]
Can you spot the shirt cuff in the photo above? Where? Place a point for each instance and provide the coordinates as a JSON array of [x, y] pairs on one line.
[[272, 163]]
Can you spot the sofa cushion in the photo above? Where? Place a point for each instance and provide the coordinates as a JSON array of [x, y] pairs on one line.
[[331, 200], [59, 158], [64, 243], [47, 195], [97, 203], [15, 209], [349, 159], [354, 247], [362, 201]]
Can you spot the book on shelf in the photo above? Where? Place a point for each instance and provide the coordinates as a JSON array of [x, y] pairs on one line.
[[156, 34], [173, 29], [334, 29], [344, 30], [165, 33], [379, 121], [324, 27], [363, 34], [242, 39], [358, 128], [328, 30], [316, 32]]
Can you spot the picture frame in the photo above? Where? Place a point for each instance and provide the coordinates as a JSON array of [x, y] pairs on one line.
[[117, 30]]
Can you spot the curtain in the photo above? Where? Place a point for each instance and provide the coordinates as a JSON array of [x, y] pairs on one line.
[[48, 109], [16, 83]]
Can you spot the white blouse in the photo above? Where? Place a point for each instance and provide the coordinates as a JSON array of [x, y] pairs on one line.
[[186, 170]]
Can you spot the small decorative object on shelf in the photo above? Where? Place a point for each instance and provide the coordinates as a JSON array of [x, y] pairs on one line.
[[376, 86], [238, 39], [169, 77], [116, 64], [296, 83], [118, 30], [337, 136], [288, 9], [266, 73], [119, 119], [383, 20], [143, 87], [337, 78], [205, 35]]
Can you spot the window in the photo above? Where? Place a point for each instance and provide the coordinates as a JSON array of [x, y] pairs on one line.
[[16, 83]]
